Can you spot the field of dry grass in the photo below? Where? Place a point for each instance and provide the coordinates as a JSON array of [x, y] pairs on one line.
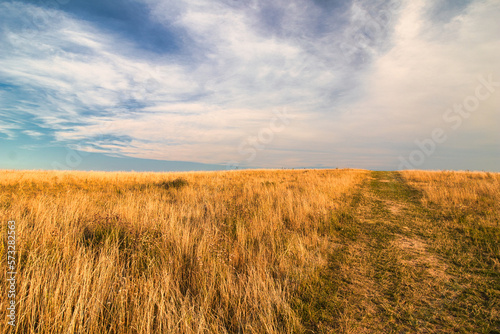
[[173, 252], [284, 251]]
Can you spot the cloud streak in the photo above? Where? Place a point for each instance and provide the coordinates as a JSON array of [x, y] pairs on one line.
[[362, 79]]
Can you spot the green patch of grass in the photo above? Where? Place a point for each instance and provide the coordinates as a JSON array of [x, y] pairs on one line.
[[107, 229], [317, 302], [177, 183], [174, 184], [268, 184], [343, 224]]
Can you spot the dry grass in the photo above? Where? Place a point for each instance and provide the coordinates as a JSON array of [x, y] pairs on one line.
[[211, 252], [306, 251], [460, 195]]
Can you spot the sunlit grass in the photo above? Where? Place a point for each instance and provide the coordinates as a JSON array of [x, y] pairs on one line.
[[263, 251], [168, 252]]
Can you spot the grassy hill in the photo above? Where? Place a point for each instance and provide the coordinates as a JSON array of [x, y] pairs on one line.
[[288, 251]]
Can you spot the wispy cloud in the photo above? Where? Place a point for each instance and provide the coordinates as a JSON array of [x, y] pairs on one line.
[[359, 77]]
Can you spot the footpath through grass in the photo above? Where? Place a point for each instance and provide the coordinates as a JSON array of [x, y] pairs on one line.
[[401, 267]]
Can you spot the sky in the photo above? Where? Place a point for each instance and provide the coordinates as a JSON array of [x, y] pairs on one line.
[[226, 84]]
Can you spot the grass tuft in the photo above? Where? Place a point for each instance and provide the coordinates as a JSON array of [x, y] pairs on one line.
[[175, 184]]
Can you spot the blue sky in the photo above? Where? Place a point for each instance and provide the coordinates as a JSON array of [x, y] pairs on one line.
[[150, 84]]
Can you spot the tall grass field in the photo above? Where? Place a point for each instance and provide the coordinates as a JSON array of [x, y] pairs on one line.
[[257, 251]]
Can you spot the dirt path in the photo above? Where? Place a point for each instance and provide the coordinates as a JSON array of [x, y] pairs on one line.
[[397, 285], [384, 278]]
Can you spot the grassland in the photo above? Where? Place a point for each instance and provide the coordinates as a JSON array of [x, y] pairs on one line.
[[304, 251]]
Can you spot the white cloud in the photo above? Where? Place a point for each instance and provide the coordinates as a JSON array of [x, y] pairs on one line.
[[411, 86], [91, 84], [34, 134], [7, 130]]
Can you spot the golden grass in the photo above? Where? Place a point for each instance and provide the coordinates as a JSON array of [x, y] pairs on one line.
[[254, 251], [472, 196], [212, 252]]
